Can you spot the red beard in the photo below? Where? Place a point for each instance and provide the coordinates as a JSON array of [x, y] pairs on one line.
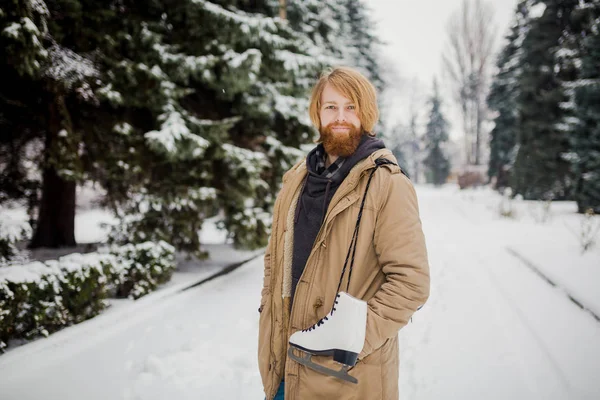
[[340, 144]]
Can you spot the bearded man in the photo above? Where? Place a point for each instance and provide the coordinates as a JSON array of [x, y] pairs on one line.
[[314, 226]]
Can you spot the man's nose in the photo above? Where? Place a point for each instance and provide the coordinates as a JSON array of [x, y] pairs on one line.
[[341, 114]]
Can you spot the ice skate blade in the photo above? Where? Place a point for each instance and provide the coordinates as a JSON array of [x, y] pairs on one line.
[[341, 356], [306, 360]]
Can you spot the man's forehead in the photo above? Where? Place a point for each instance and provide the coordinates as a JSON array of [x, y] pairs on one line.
[[331, 95]]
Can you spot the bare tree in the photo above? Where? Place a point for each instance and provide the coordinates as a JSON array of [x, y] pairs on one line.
[[468, 61]]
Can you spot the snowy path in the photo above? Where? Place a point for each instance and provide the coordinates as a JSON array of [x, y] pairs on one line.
[[492, 329]]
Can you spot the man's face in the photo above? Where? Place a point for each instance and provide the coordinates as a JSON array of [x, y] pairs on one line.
[[340, 126]]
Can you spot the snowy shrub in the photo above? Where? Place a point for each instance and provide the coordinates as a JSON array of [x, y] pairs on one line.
[[7, 249], [590, 225], [175, 218], [17, 313], [82, 284], [41, 298], [142, 267], [252, 227], [30, 302], [471, 178], [541, 210], [11, 232]]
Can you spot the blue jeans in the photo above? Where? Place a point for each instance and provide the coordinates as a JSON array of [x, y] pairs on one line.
[[279, 395]]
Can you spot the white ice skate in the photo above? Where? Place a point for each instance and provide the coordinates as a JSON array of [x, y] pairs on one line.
[[341, 333]]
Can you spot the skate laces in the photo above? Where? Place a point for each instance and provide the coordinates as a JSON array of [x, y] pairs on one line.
[[325, 318]]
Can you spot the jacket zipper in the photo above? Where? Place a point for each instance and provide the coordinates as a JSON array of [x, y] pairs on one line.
[[272, 283]]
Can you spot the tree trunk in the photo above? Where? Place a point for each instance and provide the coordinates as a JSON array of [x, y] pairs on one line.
[[56, 221], [478, 130], [282, 9], [55, 225], [467, 132]]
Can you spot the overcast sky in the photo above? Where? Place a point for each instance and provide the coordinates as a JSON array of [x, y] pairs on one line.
[[415, 31]]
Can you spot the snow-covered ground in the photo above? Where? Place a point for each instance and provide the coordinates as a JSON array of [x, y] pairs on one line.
[[494, 327]]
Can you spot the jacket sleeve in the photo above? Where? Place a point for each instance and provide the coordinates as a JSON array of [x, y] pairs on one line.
[[402, 254]]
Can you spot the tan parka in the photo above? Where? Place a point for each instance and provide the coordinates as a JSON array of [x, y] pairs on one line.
[[391, 273]]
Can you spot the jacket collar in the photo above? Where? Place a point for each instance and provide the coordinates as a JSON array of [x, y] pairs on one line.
[[293, 180]]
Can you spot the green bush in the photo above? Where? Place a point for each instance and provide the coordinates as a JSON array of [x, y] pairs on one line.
[[144, 266], [41, 298], [11, 232], [30, 302]]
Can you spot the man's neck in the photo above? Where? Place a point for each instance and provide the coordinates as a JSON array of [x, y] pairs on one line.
[[330, 160]]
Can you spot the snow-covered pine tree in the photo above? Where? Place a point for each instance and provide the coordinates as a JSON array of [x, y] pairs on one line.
[[585, 137], [405, 143], [21, 55], [344, 30], [239, 81], [502, 99], [186, 109], [47, 85], [436, 135], [399, 141], [414, 156], [358, 36], [316, 20], [540, 170], [194, 104]]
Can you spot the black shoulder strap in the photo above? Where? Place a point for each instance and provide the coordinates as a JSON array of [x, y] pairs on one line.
[[384, 161], [352, 249]]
